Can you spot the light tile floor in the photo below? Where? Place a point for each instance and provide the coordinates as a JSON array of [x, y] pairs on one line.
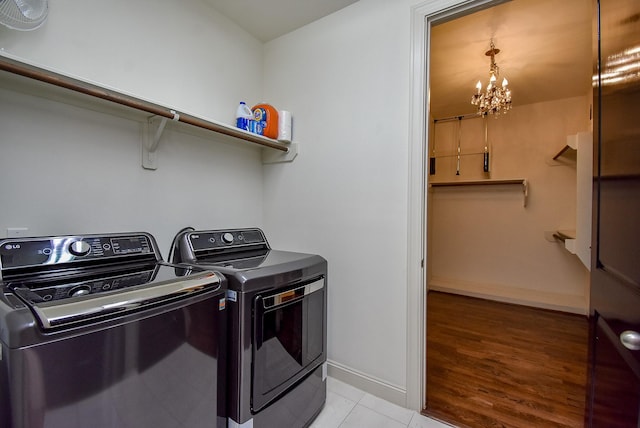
[[349, 407]]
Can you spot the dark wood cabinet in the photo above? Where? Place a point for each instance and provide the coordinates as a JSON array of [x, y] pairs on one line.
[[614, 382]]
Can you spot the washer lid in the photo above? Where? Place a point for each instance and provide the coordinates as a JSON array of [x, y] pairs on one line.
[[82, 309], [250, 260]]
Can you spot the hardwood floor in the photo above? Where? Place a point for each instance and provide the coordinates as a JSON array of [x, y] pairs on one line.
[[492, 364]]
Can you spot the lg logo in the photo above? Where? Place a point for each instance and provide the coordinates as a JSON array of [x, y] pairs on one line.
[[12, 246]]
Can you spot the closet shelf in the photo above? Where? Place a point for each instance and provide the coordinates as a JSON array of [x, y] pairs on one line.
[[569, 151], [28, 78], [566, 152], [564, 235], [519, 181], [568, 238], [579, 152]]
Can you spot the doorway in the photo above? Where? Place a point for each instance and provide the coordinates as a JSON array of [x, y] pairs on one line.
[[510, 202]]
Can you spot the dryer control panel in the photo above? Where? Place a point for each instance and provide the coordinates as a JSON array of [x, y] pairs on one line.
[[226, 240]]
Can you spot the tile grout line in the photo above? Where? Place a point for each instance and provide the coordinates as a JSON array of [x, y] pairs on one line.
[[347, 415], [389, 416], [408, 424], [358, 403], [354, 405]]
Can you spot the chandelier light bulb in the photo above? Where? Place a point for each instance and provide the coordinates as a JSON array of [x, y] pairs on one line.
[[504, 82], [479, 86]]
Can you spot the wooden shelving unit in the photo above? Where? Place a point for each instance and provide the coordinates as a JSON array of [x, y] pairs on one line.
[[518, 181], [579, 152], [22, 77]]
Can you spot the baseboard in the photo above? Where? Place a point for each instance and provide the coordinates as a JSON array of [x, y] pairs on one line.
[[537, 299], [367, 383]]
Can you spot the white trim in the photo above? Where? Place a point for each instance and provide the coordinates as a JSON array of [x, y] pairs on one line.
[[421, 15], [416, 278], [374, 386], [233, 424]]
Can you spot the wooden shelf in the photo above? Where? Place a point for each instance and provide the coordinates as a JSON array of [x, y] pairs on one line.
[[518, 181], [564, 235], [566, 152], [19, 76], [579, 151], [569, 151]]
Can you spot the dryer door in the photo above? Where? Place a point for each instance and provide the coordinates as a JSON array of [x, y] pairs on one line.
[[289, 339]]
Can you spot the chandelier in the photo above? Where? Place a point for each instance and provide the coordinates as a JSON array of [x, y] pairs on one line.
[[495, 99]]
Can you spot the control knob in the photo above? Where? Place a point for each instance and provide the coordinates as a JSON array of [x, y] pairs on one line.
[[82, 290], [79, 248], [227, 238]]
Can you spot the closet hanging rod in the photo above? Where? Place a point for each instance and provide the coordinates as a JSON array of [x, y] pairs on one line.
[[522, 181], [66, 82], [461, 154], [459, 117]]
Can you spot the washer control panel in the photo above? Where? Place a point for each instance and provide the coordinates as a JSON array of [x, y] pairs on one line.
[[221, 240], [44, 251]]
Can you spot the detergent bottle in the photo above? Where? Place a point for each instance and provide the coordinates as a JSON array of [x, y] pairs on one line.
[[266, 117], [244, 117]]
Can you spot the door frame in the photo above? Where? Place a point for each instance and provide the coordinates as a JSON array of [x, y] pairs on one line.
[[423, 16]]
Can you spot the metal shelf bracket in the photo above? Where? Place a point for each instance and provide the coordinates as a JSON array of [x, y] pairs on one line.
[[153, 129]]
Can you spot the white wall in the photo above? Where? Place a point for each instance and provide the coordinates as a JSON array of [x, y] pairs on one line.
[[68, 170], [65, 170], [346, 80], [182, 54], [344, 196], [485, 243]]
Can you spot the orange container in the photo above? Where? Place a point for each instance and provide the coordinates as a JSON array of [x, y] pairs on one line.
[[267, 116]]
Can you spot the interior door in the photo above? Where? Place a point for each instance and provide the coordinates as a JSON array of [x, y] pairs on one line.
[[614, 397]]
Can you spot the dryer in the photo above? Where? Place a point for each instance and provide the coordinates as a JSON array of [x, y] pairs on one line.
[[277, 307]]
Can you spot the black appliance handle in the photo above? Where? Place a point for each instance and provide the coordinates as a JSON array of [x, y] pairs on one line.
[[52, 314]]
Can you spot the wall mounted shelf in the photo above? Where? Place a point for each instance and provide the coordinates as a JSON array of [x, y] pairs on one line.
[[564, 235], [567, 152], [579, 150], [19, 76], [518, 181]]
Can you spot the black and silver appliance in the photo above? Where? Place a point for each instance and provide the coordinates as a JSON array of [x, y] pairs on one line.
[[96, 331], [277, 303]]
